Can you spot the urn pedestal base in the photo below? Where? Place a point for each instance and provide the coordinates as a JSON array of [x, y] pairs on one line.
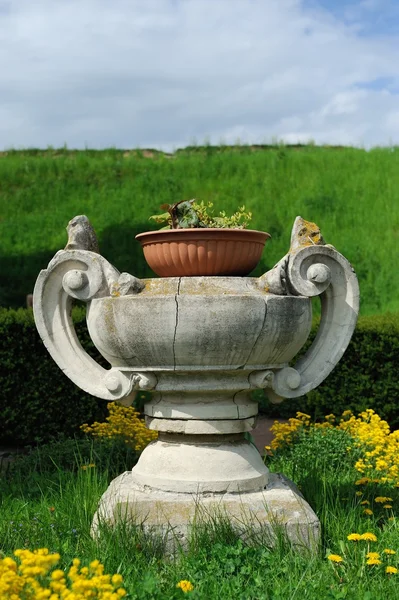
[[201, 464], [259, 517]]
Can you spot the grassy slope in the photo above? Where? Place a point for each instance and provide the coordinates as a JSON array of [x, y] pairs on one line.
[[351, 194]]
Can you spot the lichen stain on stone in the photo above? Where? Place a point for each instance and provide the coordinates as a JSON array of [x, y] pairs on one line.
[[305, 233], [156, 512], [220, 286], [198, 286], [109, 318], [163, 286]]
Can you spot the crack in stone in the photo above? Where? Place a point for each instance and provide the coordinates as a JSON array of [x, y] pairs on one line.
[[204, 419], [258, 336], [176, 324], [238, 408]]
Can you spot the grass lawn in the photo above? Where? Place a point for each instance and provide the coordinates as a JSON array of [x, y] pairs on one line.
[[48, 500]]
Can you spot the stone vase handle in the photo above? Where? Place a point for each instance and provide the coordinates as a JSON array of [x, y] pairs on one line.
[[82, 275], [319, 270]]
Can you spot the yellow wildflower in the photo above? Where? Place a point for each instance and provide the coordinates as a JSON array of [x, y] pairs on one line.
[[303, 416], [382, 499], [389, 551], [354, 537], [57, 574], [185, 586], [373, 561], [368, 537], [387, 506], [365, 502], [367, 511], [336, 558], [347, 413], [373, 555], [329, 417], [391, 570]]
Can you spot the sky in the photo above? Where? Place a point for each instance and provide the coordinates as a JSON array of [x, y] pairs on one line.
[[169, 73]]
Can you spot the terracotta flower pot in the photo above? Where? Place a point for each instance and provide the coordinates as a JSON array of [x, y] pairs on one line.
[[200, 252]]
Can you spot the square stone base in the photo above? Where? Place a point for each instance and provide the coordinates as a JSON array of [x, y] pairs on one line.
[[279, 509]]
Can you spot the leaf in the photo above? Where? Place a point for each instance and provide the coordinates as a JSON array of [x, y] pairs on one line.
[[160, 218], [184, 215]]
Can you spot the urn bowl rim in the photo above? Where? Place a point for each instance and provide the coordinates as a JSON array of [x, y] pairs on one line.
[[148, 237]]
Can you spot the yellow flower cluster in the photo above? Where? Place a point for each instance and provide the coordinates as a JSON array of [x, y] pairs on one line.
[[29, 577], [284, 433], [371, 434], [123, 422], [366, 537], [372, 558], [381, 446]]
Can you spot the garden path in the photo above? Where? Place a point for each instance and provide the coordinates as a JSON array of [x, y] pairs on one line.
[[262, 434]]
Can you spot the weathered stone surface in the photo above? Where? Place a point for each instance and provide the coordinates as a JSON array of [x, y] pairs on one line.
[[201, 464], [202, 406], [320, 270], [135, 330], [81, 235], [201, 427], [259, 516], [180, 329]]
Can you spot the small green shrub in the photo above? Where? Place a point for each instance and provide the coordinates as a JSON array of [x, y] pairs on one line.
[[321, 450]]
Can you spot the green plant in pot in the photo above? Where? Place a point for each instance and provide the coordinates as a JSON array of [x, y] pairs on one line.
[[195, 242]]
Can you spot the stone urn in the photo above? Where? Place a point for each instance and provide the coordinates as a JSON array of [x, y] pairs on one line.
[[200, 345]]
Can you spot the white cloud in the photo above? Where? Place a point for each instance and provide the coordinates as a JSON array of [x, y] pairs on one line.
[[344, 103], [162, 72]]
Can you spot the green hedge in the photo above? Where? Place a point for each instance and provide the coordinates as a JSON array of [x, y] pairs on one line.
[[39, 403], [367, 376]]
